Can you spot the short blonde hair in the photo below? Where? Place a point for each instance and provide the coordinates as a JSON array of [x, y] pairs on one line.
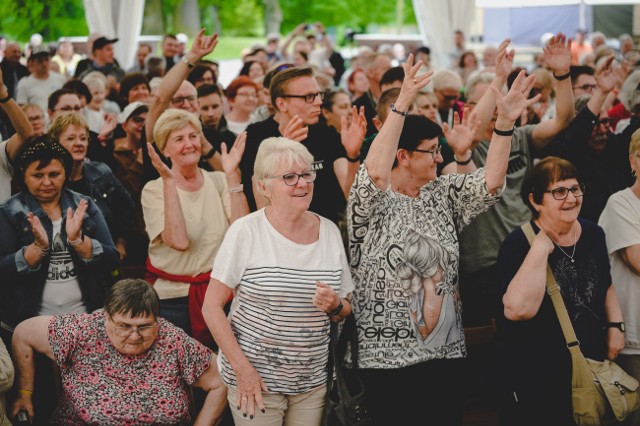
[[62, 123], [170, 120], [278, 152]]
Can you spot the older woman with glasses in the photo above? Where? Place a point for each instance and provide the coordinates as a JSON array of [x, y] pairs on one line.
[[287, 270], [242, 94], [122, 364], [532, 356]]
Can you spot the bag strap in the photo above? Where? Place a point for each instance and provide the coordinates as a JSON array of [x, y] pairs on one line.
[[553, 290], [337, 350]]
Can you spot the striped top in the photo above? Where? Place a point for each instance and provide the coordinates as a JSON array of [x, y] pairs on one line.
[[280, 331]]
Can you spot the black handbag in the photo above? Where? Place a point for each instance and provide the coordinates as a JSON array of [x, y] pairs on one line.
[[345, 403]]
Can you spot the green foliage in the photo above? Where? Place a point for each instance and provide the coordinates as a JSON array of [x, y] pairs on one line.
[[240, 17], [53, 19]]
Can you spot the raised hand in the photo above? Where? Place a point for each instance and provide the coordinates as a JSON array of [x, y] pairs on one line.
[[461, 136], [557, 54], [295, 129], [203, 44], [158, 164], [511, 106], [39, 233], [606, 78], [504, 60], [352, 135], [412, 83], [231, 159], [73, 226]]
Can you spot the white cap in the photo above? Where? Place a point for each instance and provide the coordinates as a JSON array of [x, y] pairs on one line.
[[182, 38], [130, 109]]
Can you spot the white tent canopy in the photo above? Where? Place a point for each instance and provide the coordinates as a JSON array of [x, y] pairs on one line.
[[117, 18]]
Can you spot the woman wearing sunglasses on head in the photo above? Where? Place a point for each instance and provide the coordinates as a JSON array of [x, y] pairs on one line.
[[532, 355], [288, 272]]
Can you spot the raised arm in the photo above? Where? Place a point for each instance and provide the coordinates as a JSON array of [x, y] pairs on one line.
[[385, 145], [19, 121], [29, 336], [202, 46], [287, 41], [510, 107], [352, 137], [606, 80], [230, 163], [557, 54]]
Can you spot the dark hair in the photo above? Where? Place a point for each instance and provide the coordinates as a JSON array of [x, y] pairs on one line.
[[129, 81], [577, 70], [330, 96], [43, 149], [247, 66], [392, 75], [422, 49], [281, 80], [387, 97], [544, 173], [198, 72], [209, 89], [464, 55], [79, 88], [416, 129], [132, 296], [304, 55], [155, 66], [237, 84], [55, 97], [514, 74], [172, 36]]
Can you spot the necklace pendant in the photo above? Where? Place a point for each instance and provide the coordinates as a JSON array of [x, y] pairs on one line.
[[573, 261]]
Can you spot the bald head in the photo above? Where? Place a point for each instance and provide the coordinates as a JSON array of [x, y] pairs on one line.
[[12, 53]]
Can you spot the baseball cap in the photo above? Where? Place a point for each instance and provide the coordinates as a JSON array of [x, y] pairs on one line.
[[131, 109], [101, 42]]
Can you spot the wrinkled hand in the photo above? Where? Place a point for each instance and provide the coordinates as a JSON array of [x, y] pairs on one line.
[[543, 241], [249, 391], [325, 298], [413, 83], [158, 164], [295, 129], [557, 54], [352, 135], [621, 72], [231, 159], [615, 342], [504, 60], [203, 44], [511, 105], [23, 402], [460, 138], [40, 235], [606, 78], [74, 220]]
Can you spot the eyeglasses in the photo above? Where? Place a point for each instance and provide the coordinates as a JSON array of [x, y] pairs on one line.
[[307, 98], [586, 87], [606, 122], [70, 109], [35, 118], [248, 95], [126, 330], [450, 98], [179, 100], [561, 193], [291, 179], [434, 152], [137, 119]]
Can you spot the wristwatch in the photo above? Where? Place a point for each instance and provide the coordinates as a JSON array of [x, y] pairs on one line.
[[337, 310], [619, 325]]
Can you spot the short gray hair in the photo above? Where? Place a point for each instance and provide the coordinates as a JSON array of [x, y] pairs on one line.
[[278, 152], [445, 79], [132, 296], [475, 80]]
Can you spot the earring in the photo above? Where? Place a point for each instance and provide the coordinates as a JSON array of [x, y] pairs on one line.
[[633, 172]]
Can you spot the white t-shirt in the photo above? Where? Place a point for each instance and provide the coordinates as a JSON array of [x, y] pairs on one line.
[[280, 331], [237, 127], [31, 90], [620, 220], [6, 173], [61, 293]]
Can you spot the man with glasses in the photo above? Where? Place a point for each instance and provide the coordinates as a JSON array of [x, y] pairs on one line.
[[583, 80], [297, 99], [601, 157]]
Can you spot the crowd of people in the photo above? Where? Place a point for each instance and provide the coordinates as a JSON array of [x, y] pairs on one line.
[[174, 251]]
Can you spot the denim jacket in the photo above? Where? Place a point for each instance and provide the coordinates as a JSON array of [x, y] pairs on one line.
[[21, 287], [111, 197]]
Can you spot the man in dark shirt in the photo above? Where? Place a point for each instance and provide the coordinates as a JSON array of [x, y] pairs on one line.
[[12, 69], [297, 98]]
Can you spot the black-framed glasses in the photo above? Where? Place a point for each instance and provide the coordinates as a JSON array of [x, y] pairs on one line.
[[586, 87], [179, 100], [126, 330], [605, 121], [434, 152], [308, 98], [138, 120], [561, 193], [291, 179]]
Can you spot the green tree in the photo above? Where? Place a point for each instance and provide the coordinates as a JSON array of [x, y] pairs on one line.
[[53, 19]]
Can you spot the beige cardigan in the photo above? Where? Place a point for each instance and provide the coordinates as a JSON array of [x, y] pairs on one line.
[[6, 381]]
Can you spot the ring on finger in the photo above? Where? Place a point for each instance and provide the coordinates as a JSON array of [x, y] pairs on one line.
[[415, 81]]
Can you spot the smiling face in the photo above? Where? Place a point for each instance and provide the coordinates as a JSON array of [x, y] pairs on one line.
[[422, 165], [559, 211], [246, 99], [297, 197], [600, 133], [45, 184], [139, 92], [134, 125], [183, 146], [75, 139], [131, 336]]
